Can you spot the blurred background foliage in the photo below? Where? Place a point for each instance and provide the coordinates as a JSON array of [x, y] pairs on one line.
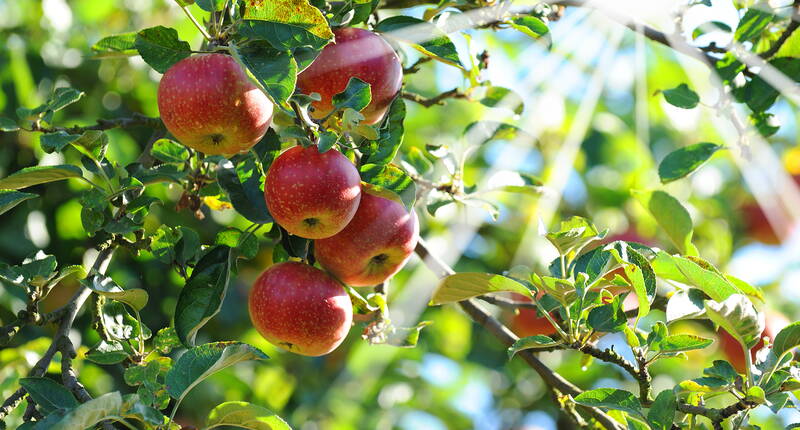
[[457, 377]]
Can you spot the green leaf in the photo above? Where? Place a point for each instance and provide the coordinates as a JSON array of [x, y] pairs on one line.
[[532, 342], [232, 237], [166, 340], [286, 24], [530, 26], [245, 415], [36, 175], [10, 198], [120, 324], [682, 96], [7, 124], [48, 394], [504, 98], [436, 45], [758, 94], [169, 151], [406, 337], [356, 95], [765, 123], [109, 352], [688, 272], [63, 97], [681, 342], [211, 5], [738, 317], [243, 185], [573, 235], [390, 178], [684, 161], [390, 136], [662, 413], [756, 395], [56, 142], [202, 361], [754, 21], [275, 70], [105, 286], [705, 384], [639, 272], [673, 218], [201, 297], [610, 398], [481, 132], [463, 286], [418, 161], [608, 318], [92, 143], [92, 412], [160, 47], [787, 339], [114, 46]]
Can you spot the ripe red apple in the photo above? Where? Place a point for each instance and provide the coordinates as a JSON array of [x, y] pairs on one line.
[[374, 246], [775, 322], [356, 53], [300, 308], [527, 322], [312, 195], [209, 104]]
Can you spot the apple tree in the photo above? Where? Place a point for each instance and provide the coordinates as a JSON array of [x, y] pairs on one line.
[[399, 214]]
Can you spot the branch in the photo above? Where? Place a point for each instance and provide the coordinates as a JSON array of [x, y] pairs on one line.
[[67, 317], [455, 93], [504, 335], [717, 416], [137, 120], [414, 68], [793, 25], [506, 303]]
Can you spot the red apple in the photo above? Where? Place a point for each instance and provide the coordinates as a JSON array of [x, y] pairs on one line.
[[209, 104], [775, 322], [312, 195], [374, 246], [527, 322], [300, 308], [357, 53]]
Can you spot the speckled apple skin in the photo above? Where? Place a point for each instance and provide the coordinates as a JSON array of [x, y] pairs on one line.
[[380, 227], [302, 184], [209, 104], [357, 53], [300, 308]]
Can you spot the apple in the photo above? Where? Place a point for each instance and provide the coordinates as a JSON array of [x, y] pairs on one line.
[[374, 246], [527, 322], [775, 322], [300, 308], [312, 195], [356, 53], [209, 104]]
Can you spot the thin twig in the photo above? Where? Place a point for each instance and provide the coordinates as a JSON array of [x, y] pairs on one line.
[[136, 120], [455, 93], [414, 68], [505, 336]]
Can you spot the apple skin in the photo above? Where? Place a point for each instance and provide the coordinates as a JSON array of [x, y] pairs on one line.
[[300, 308], [527, 322], [209, 104], [312, 195], [357, 53], [775, 322], [374, 246]]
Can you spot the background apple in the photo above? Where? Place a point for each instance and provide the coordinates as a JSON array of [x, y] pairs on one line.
[[374, 246], [357, 53], [527, 322], [300, 308], [312, 195], [775, 321], [757, 225], [209, 104]]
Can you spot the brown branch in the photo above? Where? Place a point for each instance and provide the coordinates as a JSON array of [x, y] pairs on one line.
[[455, 93], [717, 416], [414, 68], [505, 336], [68, 315], [506, 303], [137, 120], [793, 25]]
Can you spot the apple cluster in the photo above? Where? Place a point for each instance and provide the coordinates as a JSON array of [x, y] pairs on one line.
[[209, 104]]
